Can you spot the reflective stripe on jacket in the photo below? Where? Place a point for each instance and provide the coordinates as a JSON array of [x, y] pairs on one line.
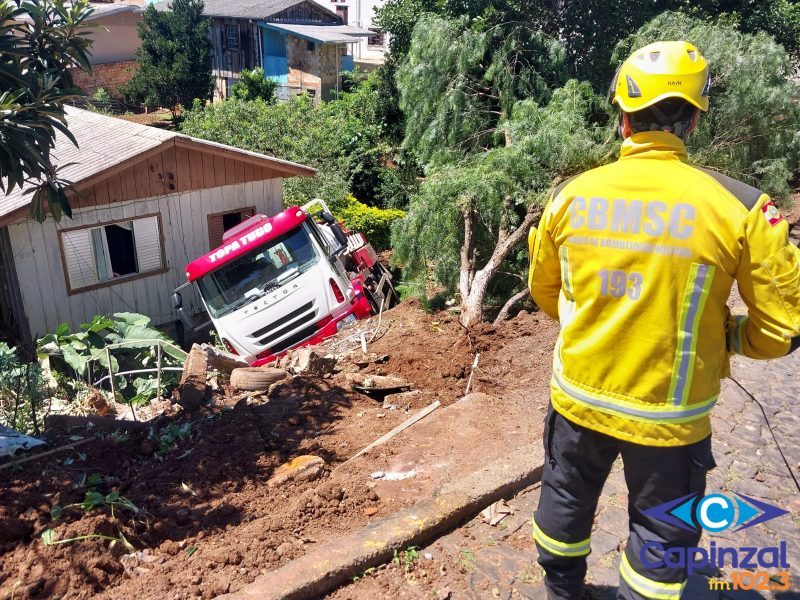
[[637, 259]]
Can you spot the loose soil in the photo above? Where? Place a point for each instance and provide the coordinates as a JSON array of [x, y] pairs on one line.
[[207, 521]]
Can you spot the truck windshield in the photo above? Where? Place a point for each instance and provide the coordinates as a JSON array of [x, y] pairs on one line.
[[252, 275]]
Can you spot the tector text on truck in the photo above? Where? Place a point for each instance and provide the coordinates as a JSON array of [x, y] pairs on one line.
[[280, 282]]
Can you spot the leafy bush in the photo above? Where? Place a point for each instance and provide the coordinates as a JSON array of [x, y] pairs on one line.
[[375, 223], [101, 95], [75, 354], [254, 85], [340, 138], [23, 392], [752, 129]]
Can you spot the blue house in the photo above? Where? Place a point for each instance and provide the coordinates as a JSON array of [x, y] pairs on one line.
[[300, 44]]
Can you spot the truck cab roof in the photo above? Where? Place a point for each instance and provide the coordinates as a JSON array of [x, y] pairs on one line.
[[244, 237]]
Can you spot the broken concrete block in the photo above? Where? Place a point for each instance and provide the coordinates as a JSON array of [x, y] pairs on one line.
[[302, 468], [376, 382], [192, 388], [311, 362]]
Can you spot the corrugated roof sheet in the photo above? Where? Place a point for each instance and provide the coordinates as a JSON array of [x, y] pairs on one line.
[[104, 142], [323, 34], [242, 9]]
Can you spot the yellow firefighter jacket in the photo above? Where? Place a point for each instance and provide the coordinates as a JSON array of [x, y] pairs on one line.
[[637, 259]]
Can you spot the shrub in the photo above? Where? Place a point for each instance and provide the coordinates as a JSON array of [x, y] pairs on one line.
[[254, 85], [74, 355], [23, 392], [375, 223]]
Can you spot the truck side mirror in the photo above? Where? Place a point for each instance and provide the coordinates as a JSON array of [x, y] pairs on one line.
[[177, 301], [341, 238], [327, 217]]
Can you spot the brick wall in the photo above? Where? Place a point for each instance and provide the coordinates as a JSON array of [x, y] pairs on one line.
[[108, 76]]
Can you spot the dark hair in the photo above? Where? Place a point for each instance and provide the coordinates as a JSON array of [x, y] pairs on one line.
[[673, 115]]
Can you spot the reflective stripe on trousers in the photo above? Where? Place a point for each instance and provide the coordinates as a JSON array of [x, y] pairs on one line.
[[581, 548], [648, 588]]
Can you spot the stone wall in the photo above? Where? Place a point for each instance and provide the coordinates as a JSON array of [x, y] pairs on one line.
[[313, 70], [108, 76]]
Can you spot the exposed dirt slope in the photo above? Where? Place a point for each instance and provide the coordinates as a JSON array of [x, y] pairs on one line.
[[207, 520]]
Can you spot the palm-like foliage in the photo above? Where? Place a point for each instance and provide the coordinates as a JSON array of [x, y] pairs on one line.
[[40, 40]]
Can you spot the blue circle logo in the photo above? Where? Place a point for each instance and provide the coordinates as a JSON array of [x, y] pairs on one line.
[[715, 512]]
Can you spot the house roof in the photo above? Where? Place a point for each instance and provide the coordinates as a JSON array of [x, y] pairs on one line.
[[105, 142], [242, 9], [322, 34], [102, 9]]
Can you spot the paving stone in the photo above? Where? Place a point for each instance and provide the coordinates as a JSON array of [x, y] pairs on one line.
[[603, 543]]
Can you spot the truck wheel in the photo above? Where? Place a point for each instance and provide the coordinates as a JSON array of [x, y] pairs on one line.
[[254, 379]]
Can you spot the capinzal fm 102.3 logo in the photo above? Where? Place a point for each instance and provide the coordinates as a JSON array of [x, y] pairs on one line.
[[715, 513]]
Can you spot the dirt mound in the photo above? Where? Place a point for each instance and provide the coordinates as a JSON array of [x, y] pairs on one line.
[[206, 520]]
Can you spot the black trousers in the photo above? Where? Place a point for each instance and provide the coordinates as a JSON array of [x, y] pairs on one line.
[[577, 463]]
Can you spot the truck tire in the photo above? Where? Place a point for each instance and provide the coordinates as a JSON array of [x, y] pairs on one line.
[[255, 379]]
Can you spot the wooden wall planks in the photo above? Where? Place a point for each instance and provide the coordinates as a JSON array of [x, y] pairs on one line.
[[184, 223]]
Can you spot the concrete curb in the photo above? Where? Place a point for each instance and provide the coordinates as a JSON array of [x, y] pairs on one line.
[[338, 561]]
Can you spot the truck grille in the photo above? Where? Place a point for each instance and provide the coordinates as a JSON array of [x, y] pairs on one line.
[[297, 322]]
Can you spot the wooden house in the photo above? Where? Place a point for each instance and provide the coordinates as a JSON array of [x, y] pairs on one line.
[[147, 202], [302, 45]]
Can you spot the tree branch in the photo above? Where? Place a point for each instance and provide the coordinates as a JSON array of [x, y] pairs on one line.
[[503, 314]]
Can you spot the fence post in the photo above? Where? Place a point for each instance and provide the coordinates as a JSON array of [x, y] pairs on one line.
[[111, 374], [158, 364]]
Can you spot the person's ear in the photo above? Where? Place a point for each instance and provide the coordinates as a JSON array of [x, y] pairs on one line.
[[695, 121], [625, 129]]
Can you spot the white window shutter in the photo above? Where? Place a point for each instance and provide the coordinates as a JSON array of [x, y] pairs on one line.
[[79, 257], [148, 244]]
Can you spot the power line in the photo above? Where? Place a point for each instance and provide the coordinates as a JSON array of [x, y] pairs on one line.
[[772, 432]]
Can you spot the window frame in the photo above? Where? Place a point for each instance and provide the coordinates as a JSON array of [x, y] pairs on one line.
[[114, 280], [221, 214], [376, 32], [228, 38]]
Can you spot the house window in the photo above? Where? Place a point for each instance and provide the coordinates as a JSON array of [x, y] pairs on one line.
[[219, 223], [341, 11], [232, 37], [377, 39], [104, 254], [311, 46]]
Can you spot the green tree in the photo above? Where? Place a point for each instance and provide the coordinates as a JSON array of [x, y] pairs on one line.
[[461, 78], [174, 60], [470, 216], [254, 85], [40, 41], [752, 129]]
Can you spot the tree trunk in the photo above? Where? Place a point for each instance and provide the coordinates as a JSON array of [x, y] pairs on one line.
[[472, 301], [466, 271], [503, 314]]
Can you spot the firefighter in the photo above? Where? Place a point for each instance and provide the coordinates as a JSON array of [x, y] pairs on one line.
[[636, 259]]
